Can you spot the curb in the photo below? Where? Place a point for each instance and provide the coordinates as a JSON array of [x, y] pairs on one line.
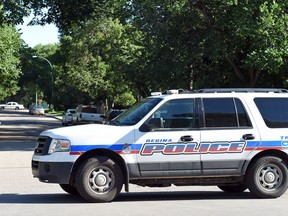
[[54, 116]]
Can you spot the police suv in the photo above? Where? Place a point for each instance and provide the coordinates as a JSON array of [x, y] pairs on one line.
[[233, 138]]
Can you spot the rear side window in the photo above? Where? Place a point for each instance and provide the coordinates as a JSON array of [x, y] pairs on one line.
[[274, 111], [224, 112]]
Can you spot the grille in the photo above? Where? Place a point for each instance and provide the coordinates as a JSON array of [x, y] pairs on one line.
[[42, 147]]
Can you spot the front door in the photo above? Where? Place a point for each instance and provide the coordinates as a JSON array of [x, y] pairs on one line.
[[170, 148]]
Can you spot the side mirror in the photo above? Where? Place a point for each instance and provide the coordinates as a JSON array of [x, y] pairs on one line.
[[151, 124]]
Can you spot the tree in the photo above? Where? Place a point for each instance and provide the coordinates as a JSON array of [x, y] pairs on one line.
[[211, 43], [13, 11], [10, 44], [112, 47], [96, 58], [249, 35], [37, 77]]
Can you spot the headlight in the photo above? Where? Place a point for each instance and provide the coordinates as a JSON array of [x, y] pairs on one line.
[[59, 145]]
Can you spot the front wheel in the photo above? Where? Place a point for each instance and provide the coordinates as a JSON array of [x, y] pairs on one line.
[[267, 177], [99, 179]]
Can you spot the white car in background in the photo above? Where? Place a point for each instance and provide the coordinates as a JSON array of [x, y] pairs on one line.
[[68, 117], [37, 110], [12, 105]]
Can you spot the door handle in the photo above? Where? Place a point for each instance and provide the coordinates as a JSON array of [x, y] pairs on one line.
[[248, 136], [186, 138]]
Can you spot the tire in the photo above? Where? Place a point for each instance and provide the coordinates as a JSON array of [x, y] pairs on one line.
[[69, 189], [267, 177], [99, 179], [233, 188]]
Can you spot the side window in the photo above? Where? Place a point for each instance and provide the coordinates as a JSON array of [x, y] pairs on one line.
[[274, 111], [243, 118], [224, 112], [177, 113]]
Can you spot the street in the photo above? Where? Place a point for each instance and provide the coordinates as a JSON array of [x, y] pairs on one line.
[[21, 194]]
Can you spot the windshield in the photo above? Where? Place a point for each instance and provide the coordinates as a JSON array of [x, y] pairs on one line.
[[133, 115]]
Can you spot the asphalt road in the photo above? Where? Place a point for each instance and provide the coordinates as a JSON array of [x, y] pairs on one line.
[[22, 195]]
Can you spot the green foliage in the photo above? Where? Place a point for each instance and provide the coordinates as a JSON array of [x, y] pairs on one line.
[[241, 40], [10, 45], [270, 38], [97, 56], [37, 74], [117, 50], [13, 11], [125, 99]]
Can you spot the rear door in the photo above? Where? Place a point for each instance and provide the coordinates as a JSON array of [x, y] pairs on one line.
[[226, 129]]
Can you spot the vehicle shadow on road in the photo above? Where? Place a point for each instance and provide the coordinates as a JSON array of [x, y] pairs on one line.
[[181, 195], [124, 197], [15, 145], [39, 198]]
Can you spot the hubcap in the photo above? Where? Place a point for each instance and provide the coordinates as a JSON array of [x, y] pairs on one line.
[[101, 180], [270, 177]]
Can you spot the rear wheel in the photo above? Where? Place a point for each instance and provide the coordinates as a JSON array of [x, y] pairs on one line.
[[99, 179], [233, 188], [267, 177]]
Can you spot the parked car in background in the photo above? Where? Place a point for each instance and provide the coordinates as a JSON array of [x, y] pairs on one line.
[[12, 105], [37, 110], [111, 114], [87, 114], [68, 117]]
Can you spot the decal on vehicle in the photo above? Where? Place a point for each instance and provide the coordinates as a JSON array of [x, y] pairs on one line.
[[158, 140], [192, 148]]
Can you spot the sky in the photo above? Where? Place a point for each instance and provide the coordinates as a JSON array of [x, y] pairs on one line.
[[33, 35]]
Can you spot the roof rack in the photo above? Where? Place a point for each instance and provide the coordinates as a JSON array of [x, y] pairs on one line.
[[242, 90]]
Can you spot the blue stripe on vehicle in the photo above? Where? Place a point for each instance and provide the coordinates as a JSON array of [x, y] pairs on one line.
[[114, 147], [267, 144]]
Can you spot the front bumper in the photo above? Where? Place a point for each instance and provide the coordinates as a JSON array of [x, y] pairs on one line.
[[52, 172]]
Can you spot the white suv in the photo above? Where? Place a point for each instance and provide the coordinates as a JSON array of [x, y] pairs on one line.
[[233, 138], [87, 114]]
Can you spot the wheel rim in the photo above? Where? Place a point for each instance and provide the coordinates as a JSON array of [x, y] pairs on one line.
[[270, 177], [101, 180]]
